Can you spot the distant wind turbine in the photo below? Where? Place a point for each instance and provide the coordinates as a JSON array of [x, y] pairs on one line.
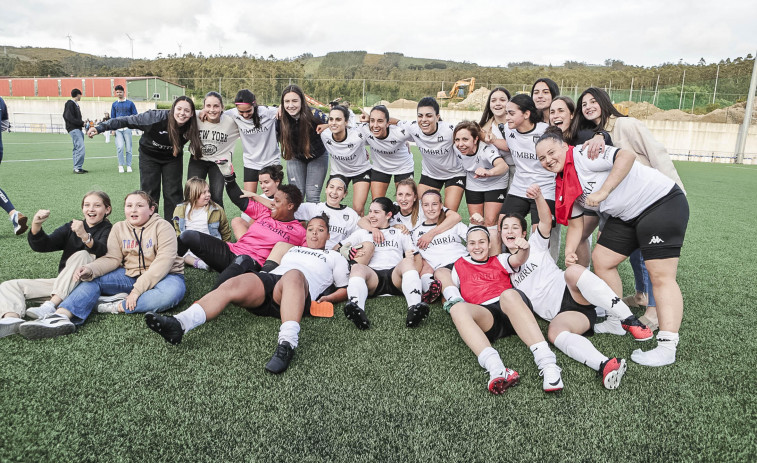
[[132, 45], [69, 42]]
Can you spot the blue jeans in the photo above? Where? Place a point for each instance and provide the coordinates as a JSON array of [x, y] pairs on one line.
[[78, 154], [123, 142], [641, 277], [83, 299], [308, 176]]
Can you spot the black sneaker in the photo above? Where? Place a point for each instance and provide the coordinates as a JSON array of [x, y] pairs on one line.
[[168, 327], [281, 358], [81, 171], [356, 315], [415, 314]]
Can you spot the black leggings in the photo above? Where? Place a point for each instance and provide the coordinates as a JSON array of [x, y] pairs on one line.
[[208, 170], [216, 254]]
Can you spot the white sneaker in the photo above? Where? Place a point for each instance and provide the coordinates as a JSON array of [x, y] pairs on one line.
[[552, 379], [113, 298], [49, 327], [120, 169], [610, 326], [9, 326], [128, 169], [110, 304], [40, 312]]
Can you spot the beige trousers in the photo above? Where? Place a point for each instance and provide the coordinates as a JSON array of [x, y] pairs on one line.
[[15, 293]]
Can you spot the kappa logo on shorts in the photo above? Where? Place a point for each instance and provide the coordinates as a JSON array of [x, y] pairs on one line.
[[502, 197], [656, 240], [459, 182]]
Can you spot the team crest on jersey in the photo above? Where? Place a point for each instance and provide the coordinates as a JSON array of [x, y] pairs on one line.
[[440, 138], [393, 142], [346, 217], [350, 145], [536, 138]]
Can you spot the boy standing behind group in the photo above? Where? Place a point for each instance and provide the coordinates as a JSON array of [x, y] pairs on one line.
[[122, 108]]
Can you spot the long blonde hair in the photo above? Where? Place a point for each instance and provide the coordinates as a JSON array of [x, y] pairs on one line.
[[193, 189]]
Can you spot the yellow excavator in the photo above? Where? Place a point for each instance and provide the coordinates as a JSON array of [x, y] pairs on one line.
[[460, 90]]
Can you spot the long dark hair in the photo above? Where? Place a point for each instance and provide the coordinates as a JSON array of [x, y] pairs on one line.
[[526, 103], [307, 123], [189, 131], [245, 96], [606, 109], [488, 114]]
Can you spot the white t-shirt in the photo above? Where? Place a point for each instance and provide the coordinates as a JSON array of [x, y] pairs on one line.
[[261, 149], [387, 254], [636, 192], [218, 139], [445, 248], [320, 267], [484, 157], [348, 157], [389, 155], [528, 168], [540, 278], [502, 260], [342, 221], [438, 160], [496, 133], [197, 220]]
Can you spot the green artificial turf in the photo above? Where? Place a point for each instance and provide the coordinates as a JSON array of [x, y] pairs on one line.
[[115, 391]]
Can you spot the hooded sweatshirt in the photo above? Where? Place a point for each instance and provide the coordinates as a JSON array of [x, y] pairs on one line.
[[148, 253]]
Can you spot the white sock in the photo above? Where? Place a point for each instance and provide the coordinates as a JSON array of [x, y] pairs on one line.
[[490, 360], [554, 242], [426, 280], [48, 305], [199, 263], [579, 349], [543, 355], [598, 293], [357, 291], [451, 292], [289, 332], [663, 354], [610, 326], [411, 287], [191, 318]]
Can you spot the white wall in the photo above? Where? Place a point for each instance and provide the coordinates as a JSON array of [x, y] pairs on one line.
[[50, 112]]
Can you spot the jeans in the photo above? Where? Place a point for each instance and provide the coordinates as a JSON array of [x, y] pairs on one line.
[[308, 176], [83, 299], [641, 277], [78, 154], [209, 170], [169, 171], [123, 143]]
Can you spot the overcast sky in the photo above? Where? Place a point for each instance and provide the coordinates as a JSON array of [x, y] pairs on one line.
[[489, 33]]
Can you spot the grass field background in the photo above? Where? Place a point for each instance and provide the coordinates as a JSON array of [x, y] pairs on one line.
[[115, 391]]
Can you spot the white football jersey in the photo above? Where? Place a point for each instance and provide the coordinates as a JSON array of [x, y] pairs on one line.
[[342, 221], [528, 168], [347, 157], [320, 267], [260, 146], [484, 157], [540, 278], [387, 254], [496, 133], [389, 155], [445, 248], [438, 160]]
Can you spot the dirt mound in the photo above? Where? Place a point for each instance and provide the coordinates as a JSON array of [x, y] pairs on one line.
[[674, 115], [403, 103], [476, 101], [642, 110]]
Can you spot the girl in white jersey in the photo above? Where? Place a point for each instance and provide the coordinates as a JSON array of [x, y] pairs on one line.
[[567, 299], [440, 167], [342, 219], [257, 129], [493, 123], [305, 272], [390, 154], [349, 159], [443, 249], [522, 131], [486, 184], [647, 210], [218, 134], [388, 267], [269, 178], [492, 309]]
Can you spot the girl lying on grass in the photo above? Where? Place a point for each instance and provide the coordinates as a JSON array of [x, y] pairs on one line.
[[199, 212], [141, 268], [82, 241]]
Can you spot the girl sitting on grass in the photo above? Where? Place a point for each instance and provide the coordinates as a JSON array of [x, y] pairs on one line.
[[141, 267], [199, 212], [269, 178], [82, 241]]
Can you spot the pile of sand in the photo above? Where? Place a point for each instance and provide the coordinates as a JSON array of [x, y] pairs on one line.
[[382, 103], [674, 115], [640, 110], [403, 103], [475, 101], [733, 114]]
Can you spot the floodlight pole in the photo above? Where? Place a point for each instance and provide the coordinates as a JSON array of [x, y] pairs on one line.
[[744, 130]]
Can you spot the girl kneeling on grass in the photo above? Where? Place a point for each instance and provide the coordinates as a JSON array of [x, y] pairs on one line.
[[305, 273], [82, 241], [199, 212], [388, 267], [647, 210], [567, 299], [140, 267], [491, 309]]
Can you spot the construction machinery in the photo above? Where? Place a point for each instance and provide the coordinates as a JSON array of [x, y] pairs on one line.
[[460, 90], [313, 102]]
